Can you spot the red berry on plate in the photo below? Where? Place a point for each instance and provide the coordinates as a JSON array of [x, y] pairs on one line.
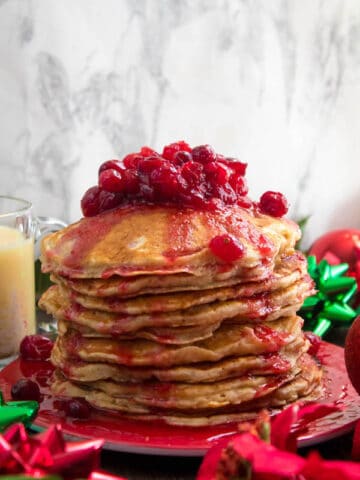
[[274, 204], [36, 347], [74, 407], [203, 154], [113, 164], [315, 342], [227, 248], [25, 389], [112, 180], [352, 357]]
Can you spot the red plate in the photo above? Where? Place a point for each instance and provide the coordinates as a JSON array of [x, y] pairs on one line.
[[160, 439]]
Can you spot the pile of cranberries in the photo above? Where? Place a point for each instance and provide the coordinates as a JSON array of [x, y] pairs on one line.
[[190, 177], [38, 348]]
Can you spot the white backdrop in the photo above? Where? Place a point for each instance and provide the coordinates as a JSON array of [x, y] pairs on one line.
[[276, 83]]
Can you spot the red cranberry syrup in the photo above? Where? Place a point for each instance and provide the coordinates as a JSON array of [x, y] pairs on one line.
[[196, 178]]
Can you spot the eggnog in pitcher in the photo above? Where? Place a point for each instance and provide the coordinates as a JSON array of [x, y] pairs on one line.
[[17, 290]]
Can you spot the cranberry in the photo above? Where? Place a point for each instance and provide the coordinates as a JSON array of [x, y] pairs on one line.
[[96, 201], [36, 347], [182, 157], [227, 248], [166, 182], [192, 172], [112, 180], [132, 160], [244, 202], [226, 194], [131, 181], [315, 342], [90, 202], [197, 178], [238, 183], [235, 165], [74, 407], [216, 174], [148, 165], [108, 200], [204, 154], [114, 164], [274, 204], [25, 389], [148, 152], [170, 151]]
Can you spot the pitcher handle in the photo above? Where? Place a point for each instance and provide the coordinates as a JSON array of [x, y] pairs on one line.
[[45, 225]]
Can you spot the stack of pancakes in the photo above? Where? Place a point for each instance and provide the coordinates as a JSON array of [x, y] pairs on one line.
[[153, 325]]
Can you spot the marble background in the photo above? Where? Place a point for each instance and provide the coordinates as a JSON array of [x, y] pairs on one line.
[[274, 82]]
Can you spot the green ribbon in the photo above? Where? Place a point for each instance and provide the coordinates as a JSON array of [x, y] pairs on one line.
[[13, 412], [332, 302]]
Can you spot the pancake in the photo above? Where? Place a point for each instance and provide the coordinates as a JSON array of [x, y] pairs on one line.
[[183, 300], [182, 314], [256, 308], [127, 287], [167, 335], [124, 242], [204, 404], [267, 364], [228, 340]]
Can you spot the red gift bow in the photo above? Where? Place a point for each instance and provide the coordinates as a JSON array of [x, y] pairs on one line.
[[246, 456], [48, 453]]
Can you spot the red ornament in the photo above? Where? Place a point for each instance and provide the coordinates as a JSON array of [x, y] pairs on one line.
[[344, 244], [340, 246], [352, 357]]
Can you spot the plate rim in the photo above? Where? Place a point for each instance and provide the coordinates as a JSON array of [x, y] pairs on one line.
[[140, 447]]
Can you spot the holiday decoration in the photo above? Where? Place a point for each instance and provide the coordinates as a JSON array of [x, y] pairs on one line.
[[21, 411], [340, 246], [352, 358], [332, 302], [47, 455], [249, 455]]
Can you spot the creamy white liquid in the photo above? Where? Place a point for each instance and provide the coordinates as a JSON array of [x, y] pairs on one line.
[[17, 290]]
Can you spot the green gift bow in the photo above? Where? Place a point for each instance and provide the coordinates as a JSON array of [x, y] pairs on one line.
[[332, 302], [13, 412]]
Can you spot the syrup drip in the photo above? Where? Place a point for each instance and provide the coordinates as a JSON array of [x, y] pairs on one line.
[[269, 336]]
